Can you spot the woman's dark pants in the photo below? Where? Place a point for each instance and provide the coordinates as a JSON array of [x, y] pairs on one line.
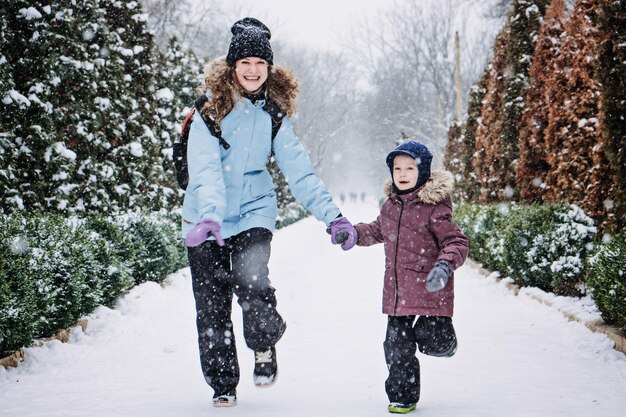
[[240, 268]]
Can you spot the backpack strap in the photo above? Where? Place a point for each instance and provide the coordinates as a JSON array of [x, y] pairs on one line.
[[276, 114], [213, 127], [270, 107]]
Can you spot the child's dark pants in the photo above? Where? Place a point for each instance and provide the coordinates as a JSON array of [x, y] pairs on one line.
[[434, 335], [240, 268]]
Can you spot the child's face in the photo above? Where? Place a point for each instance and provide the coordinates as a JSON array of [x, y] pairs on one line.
[[404, 172]]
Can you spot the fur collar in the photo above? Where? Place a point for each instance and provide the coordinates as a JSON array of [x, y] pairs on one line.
[[282, 88], [438, 187]]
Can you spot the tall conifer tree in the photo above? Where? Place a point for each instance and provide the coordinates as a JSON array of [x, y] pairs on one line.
[[532, 168], [81, 128], [462, 145], [487, 163], [611, 72], [499, 137], [180, 75], [576, 148]]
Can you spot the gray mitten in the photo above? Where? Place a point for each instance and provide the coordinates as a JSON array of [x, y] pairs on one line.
[[438, 276]]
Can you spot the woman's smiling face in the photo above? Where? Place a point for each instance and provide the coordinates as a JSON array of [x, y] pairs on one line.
[[251, 73]]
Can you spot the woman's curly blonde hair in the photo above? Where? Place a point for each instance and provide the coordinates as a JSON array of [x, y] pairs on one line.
[[219, 78]]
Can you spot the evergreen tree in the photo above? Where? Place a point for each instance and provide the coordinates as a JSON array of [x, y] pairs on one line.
[[76, 160], [7, 90], [498, 137], [467, 188], [532, 168], [81, 128], [29, 52], [139, 146], [179, 76], [574, 142], [524, 22], [452, 157], [283, 192], [611, 72], [488, 158]]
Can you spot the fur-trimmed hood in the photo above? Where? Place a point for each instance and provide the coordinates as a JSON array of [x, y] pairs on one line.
[[281, 87], [439, 186]]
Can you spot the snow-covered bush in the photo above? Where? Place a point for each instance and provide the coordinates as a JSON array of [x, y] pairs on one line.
[[545, 246], [483, 225], [54, 270], [606, 277], [155, 245], [86, 127], [117, 246], [19, 322], [536, 245]]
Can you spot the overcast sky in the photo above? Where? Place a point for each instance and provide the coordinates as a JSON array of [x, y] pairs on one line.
[[320, 23]]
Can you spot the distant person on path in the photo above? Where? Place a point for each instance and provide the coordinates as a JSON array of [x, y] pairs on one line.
[[229, 210], [422, 249]]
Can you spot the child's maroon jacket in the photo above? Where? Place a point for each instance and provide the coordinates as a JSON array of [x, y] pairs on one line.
[[417, 230]]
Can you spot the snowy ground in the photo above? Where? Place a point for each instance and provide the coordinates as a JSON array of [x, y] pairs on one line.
[[516, 357]]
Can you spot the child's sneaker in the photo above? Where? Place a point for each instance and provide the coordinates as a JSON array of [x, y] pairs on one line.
[[401, 408], [225, 400], [265, 367]]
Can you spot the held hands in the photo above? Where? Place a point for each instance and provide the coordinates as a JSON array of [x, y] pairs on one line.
[[342, 233], [438, 276], [202, 231]]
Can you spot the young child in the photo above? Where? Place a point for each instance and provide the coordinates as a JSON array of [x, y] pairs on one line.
[[422, 248]]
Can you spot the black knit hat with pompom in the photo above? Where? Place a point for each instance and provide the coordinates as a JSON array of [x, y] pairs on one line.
[[251, 38]]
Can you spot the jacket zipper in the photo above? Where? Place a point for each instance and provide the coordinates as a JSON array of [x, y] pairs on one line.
[[395, 260]]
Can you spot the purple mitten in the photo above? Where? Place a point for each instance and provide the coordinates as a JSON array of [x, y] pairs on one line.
[[201, 232], [342, 231]]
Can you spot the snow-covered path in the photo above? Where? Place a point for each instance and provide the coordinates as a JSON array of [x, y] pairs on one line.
[[516, 356]]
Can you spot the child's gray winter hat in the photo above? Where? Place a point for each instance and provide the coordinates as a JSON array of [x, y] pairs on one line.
[[250, 38]]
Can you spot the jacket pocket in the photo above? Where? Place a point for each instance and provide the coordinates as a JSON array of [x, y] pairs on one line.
[[420, 266], [259, 184]]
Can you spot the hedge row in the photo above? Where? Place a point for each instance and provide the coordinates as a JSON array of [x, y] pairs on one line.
[[606, 278], [550, 246], [54, 270]]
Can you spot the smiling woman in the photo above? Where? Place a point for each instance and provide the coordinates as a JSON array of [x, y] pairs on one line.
[[230, 208]]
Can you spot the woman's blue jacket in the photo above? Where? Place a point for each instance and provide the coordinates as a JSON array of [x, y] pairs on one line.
[[233, 187]]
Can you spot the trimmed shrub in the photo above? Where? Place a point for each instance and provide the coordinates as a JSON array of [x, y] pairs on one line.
[[54, 270], [483, 226], [541, 245], [116, 254], [606, 278], [19, 322], [155, 245], [52, 277], [545, 246]]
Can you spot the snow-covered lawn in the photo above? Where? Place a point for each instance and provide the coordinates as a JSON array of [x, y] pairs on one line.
[[517, 357]]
